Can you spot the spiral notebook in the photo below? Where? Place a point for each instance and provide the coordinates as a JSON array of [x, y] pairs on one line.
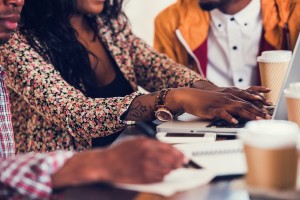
[[222, 157]]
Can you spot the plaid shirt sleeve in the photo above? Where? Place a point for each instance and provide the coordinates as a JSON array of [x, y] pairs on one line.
[[29, 176], [7, 145]]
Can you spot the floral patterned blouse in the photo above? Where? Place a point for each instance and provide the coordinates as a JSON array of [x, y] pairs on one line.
[[48, 114]]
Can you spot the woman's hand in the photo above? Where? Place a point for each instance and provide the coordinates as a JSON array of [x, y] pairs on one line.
[[252, 94], [211, 102], [209, 105]]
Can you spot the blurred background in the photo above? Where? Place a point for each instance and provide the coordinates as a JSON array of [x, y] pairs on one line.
[[141, 14]]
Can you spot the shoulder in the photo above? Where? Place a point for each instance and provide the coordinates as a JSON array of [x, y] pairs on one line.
[[295, 6], [16, 42], [180, 13], [281, 6], [170, 15], [15, 49], [18, 49], [116, 25]]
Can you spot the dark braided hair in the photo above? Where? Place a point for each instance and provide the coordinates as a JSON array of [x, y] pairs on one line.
[[46, 26]]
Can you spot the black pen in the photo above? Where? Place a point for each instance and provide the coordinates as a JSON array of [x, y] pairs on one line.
[[150, 132]]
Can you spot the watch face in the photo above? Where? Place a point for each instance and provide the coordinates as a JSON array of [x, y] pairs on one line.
[[163, 114]]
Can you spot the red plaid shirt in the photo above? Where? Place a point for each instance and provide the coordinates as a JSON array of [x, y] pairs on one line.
[[24, 176], [29, 176], [7, 145]]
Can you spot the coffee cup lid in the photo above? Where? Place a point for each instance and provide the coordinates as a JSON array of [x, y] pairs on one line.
[[270, 134], [275, 56], [276, 52], [293, 90]]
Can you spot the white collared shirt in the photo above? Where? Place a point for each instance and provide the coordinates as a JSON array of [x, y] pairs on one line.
[[233, 45]]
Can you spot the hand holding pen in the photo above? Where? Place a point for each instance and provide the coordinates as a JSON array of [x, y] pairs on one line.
[[149, 132]]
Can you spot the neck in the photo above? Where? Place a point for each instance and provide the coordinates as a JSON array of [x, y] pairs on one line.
[[232, 7], [79, 23]]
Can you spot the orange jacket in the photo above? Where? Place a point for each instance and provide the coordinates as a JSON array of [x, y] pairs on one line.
[[183, 27]]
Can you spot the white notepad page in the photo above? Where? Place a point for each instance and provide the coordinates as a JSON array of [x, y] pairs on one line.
[[222, 157], [177, 181]]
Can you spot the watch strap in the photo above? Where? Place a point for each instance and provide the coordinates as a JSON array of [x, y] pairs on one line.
[[161, 97], [161, 107]]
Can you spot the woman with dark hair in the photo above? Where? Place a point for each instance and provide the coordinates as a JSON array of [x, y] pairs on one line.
[[74, 67]]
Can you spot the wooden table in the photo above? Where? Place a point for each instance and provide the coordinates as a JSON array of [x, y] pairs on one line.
[[215, 190], [223, 188]]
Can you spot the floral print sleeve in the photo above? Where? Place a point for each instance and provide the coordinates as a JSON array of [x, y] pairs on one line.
[[154, 70], [48, 114], [43, 88]]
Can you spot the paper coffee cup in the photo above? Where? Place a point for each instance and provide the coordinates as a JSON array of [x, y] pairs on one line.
[[273, 66], [271, 153], [292, 95]]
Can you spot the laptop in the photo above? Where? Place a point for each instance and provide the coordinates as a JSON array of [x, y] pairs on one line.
[[187, 123]]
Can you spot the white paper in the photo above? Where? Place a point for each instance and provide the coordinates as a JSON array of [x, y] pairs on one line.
[[221, 157], [177, 181]]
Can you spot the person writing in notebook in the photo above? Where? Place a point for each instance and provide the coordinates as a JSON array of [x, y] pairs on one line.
[[73, 69], [20, 176], [33, 176], [221, 39]]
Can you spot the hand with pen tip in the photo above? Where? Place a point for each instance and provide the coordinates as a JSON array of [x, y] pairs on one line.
[[141, 160], [136, 160]]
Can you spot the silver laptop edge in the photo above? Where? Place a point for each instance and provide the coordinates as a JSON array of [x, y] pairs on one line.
[[292, 75]]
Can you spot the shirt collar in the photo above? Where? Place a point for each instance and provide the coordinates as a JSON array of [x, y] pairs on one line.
[[243, 18]]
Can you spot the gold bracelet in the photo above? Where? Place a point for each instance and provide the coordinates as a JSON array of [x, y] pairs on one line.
[[161, 97]]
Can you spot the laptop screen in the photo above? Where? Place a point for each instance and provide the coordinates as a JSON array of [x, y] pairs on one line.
[[293, 75]]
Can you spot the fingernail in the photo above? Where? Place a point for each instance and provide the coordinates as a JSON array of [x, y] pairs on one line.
[[258, 97], [258, 118], [269, 102], [186, 160], [268, 116], [264, 110], [234, 121]]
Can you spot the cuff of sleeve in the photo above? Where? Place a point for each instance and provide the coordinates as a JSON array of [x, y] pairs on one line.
[[127, 102], [195, 78], [30, 174]]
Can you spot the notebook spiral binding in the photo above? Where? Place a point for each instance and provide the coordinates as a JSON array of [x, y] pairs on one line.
[[217, 152]]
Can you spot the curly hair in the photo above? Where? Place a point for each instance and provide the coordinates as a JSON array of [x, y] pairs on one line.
[[46, 26]]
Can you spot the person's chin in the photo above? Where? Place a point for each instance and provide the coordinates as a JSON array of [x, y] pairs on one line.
[[209, 6], [95, 12]]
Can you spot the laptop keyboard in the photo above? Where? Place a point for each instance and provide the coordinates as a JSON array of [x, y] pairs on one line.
[[221, 123], [271, 110]]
